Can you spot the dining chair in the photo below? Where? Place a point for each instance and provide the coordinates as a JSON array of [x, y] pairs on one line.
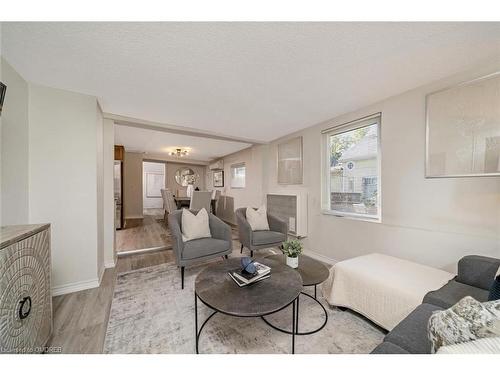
[[201, 199], [217, 196], [164, 198], [171, 204]]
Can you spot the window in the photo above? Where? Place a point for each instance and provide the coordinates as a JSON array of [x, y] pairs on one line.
[[351, 183], [238, 172]]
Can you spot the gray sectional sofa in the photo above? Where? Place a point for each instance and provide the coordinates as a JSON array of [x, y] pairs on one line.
[[475, 277]]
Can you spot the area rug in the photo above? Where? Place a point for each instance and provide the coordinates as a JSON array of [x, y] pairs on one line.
[[151, 314]]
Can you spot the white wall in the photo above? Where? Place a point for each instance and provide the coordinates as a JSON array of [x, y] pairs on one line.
[[52, 171], [14, 148], [255, 159], [100, 191], [109, 199], [63, 178], [432, 221], [132, 185]]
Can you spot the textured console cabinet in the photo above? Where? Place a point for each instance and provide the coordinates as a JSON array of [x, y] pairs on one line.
[[25, 297]]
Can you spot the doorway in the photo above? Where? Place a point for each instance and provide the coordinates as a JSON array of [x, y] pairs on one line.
[[153, 181], [149, 232]]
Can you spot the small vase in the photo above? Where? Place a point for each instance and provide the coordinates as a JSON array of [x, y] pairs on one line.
[[292, 262]]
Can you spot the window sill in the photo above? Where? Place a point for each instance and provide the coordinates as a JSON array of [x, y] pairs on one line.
[[359, 217]]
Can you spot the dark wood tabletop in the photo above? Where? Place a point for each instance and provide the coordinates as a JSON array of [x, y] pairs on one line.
[[185, 201], [216, 289], [313, 272]]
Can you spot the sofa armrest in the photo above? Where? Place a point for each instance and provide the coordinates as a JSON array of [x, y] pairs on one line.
[[478, 271], [219, 229], [277, 225], [175, 231], [244, 230]]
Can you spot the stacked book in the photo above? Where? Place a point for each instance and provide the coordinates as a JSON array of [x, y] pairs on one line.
[[243, 278]]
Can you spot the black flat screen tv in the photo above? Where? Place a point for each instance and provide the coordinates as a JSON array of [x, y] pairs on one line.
[[3, 88]]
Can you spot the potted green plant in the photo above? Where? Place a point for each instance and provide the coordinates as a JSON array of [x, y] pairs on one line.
[[292, 249]]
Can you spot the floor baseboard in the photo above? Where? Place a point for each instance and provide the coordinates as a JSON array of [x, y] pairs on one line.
[[133, 217], [139, 251], [75, 287], [101, 274]]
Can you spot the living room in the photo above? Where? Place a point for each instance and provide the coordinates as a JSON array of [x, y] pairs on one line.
[[325, 188]]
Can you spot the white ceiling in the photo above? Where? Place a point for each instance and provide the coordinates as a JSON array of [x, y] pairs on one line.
[[162, 143], [253, 80]]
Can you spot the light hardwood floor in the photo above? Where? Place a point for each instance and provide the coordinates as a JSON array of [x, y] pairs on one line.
[[81, 318], [145, 233]]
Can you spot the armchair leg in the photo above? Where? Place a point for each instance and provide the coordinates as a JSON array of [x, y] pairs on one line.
[[226, 256], [241, 250], [251, 253], [182, 277]]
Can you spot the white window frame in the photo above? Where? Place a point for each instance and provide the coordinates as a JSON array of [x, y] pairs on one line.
[[325, 167], [231, 172]]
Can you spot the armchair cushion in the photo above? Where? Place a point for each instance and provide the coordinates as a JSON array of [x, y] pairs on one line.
[[204, 246], [257, 218], [264, 237], [195, 226]]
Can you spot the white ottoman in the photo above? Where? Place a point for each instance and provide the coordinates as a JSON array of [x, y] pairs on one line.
[[383, 288]]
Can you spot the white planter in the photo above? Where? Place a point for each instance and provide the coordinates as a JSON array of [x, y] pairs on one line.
[[292, 262]]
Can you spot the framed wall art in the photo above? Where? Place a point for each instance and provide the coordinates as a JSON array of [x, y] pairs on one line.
[[218, 178], [463, 129], [290, 162]]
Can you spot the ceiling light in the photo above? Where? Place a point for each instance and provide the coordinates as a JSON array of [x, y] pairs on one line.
[[179, 152]]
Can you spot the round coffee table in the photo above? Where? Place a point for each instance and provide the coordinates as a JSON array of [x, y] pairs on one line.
[[215, 288], [313, 272]]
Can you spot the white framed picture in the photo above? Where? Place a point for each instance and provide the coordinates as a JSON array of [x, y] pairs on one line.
[[290, 162], [218, 179], [463, 129], [238, 176]]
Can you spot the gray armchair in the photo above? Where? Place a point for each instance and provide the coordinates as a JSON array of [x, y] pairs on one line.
[[220, 244], [260, 239]]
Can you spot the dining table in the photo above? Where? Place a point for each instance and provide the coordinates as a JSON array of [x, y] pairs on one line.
[[186, 201]]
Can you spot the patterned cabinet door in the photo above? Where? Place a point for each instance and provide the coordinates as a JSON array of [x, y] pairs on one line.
[[25, 296]]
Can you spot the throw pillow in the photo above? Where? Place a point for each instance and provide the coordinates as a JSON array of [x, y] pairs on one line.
[[465, 321], [495, 290], [195, 226], [257, 218], [489, 345]]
